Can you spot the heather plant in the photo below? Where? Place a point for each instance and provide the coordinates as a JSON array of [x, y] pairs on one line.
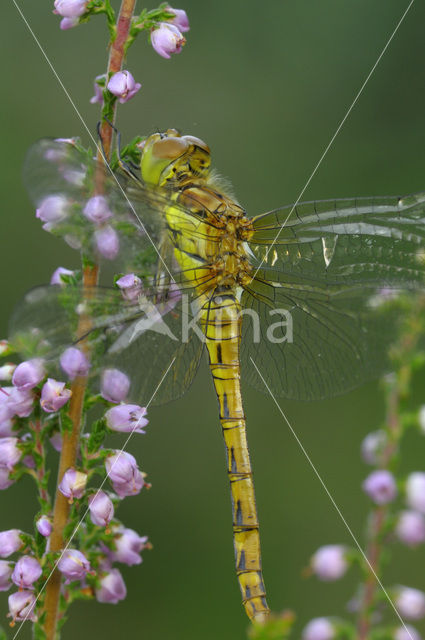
[[77, 543]]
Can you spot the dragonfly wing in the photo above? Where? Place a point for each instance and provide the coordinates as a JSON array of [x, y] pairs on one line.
[[328, 292], [146, 339], [354, 240]]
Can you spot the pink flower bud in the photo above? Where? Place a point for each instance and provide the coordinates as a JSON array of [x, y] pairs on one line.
[[27, 571], [10, 541], [112, 588], [131, 488], [73, 484], [101, 509], [6, 428], [70, 8], [121, 466], [128, 546], [130, 286], [329, 562], [6, 371], [5, 573], [28, 374], [19, 402], [68, 23], [373, 445], [74, 565], [410, 603], [407, 632], [57, 275], [410, 528], [167, 39], [107, 242], [415, 491], [115, 385], [44, 526], [380, 486], [181, 21], [74, 362], [123, 85], [97, 210], [52, 209], [98, 93], [5, 480], [54, 395], [21, 606], [56, 441], [319, 629], [10, 454], [127, 418]]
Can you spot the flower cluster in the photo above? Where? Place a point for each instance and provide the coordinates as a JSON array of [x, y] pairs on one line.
[[388, 523], [32, 409]]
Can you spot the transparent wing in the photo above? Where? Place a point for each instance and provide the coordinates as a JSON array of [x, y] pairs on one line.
[[145, 339], [352, 239], [335, 271], [131, 236]]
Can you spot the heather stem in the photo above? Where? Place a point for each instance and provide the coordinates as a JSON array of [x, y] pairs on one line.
[[70, 442], [376, 529]]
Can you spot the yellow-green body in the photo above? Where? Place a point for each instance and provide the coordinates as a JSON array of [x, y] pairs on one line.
[[210, 250]]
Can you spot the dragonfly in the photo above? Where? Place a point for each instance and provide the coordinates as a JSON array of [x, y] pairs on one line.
[[304, 293]]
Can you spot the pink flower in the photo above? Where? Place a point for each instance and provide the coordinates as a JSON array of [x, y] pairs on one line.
[[54, 395], [115, 385], [73, 484], [107, 242], [101, 509], [127, 418], [21, 606], [28, 374], [329, 562], [5, 480], [5, 573], [6, 428], [52, 210], [410, 528], [380, 486], [19, 402], [97, 210], [27, 571], [181, 21], [98, 89], [70, 8], [123, 85], [167, 39], [130, 285], [410, 603], [319, 629], [44, 526], [112, 588], [10, 541], [57, 275], [407, 632], [68, 23], [74, 362], [372, 446], [10, 454], [128, 546], [124, 474], [415, 491], [74, 565]]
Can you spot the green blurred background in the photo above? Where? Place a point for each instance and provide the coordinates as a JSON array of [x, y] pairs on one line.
[[266, 85]]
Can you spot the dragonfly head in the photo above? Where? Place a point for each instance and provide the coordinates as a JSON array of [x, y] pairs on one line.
[[170, 157]]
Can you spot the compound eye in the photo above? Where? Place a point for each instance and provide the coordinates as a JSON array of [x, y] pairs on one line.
[[170, 148], [197, 142]]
